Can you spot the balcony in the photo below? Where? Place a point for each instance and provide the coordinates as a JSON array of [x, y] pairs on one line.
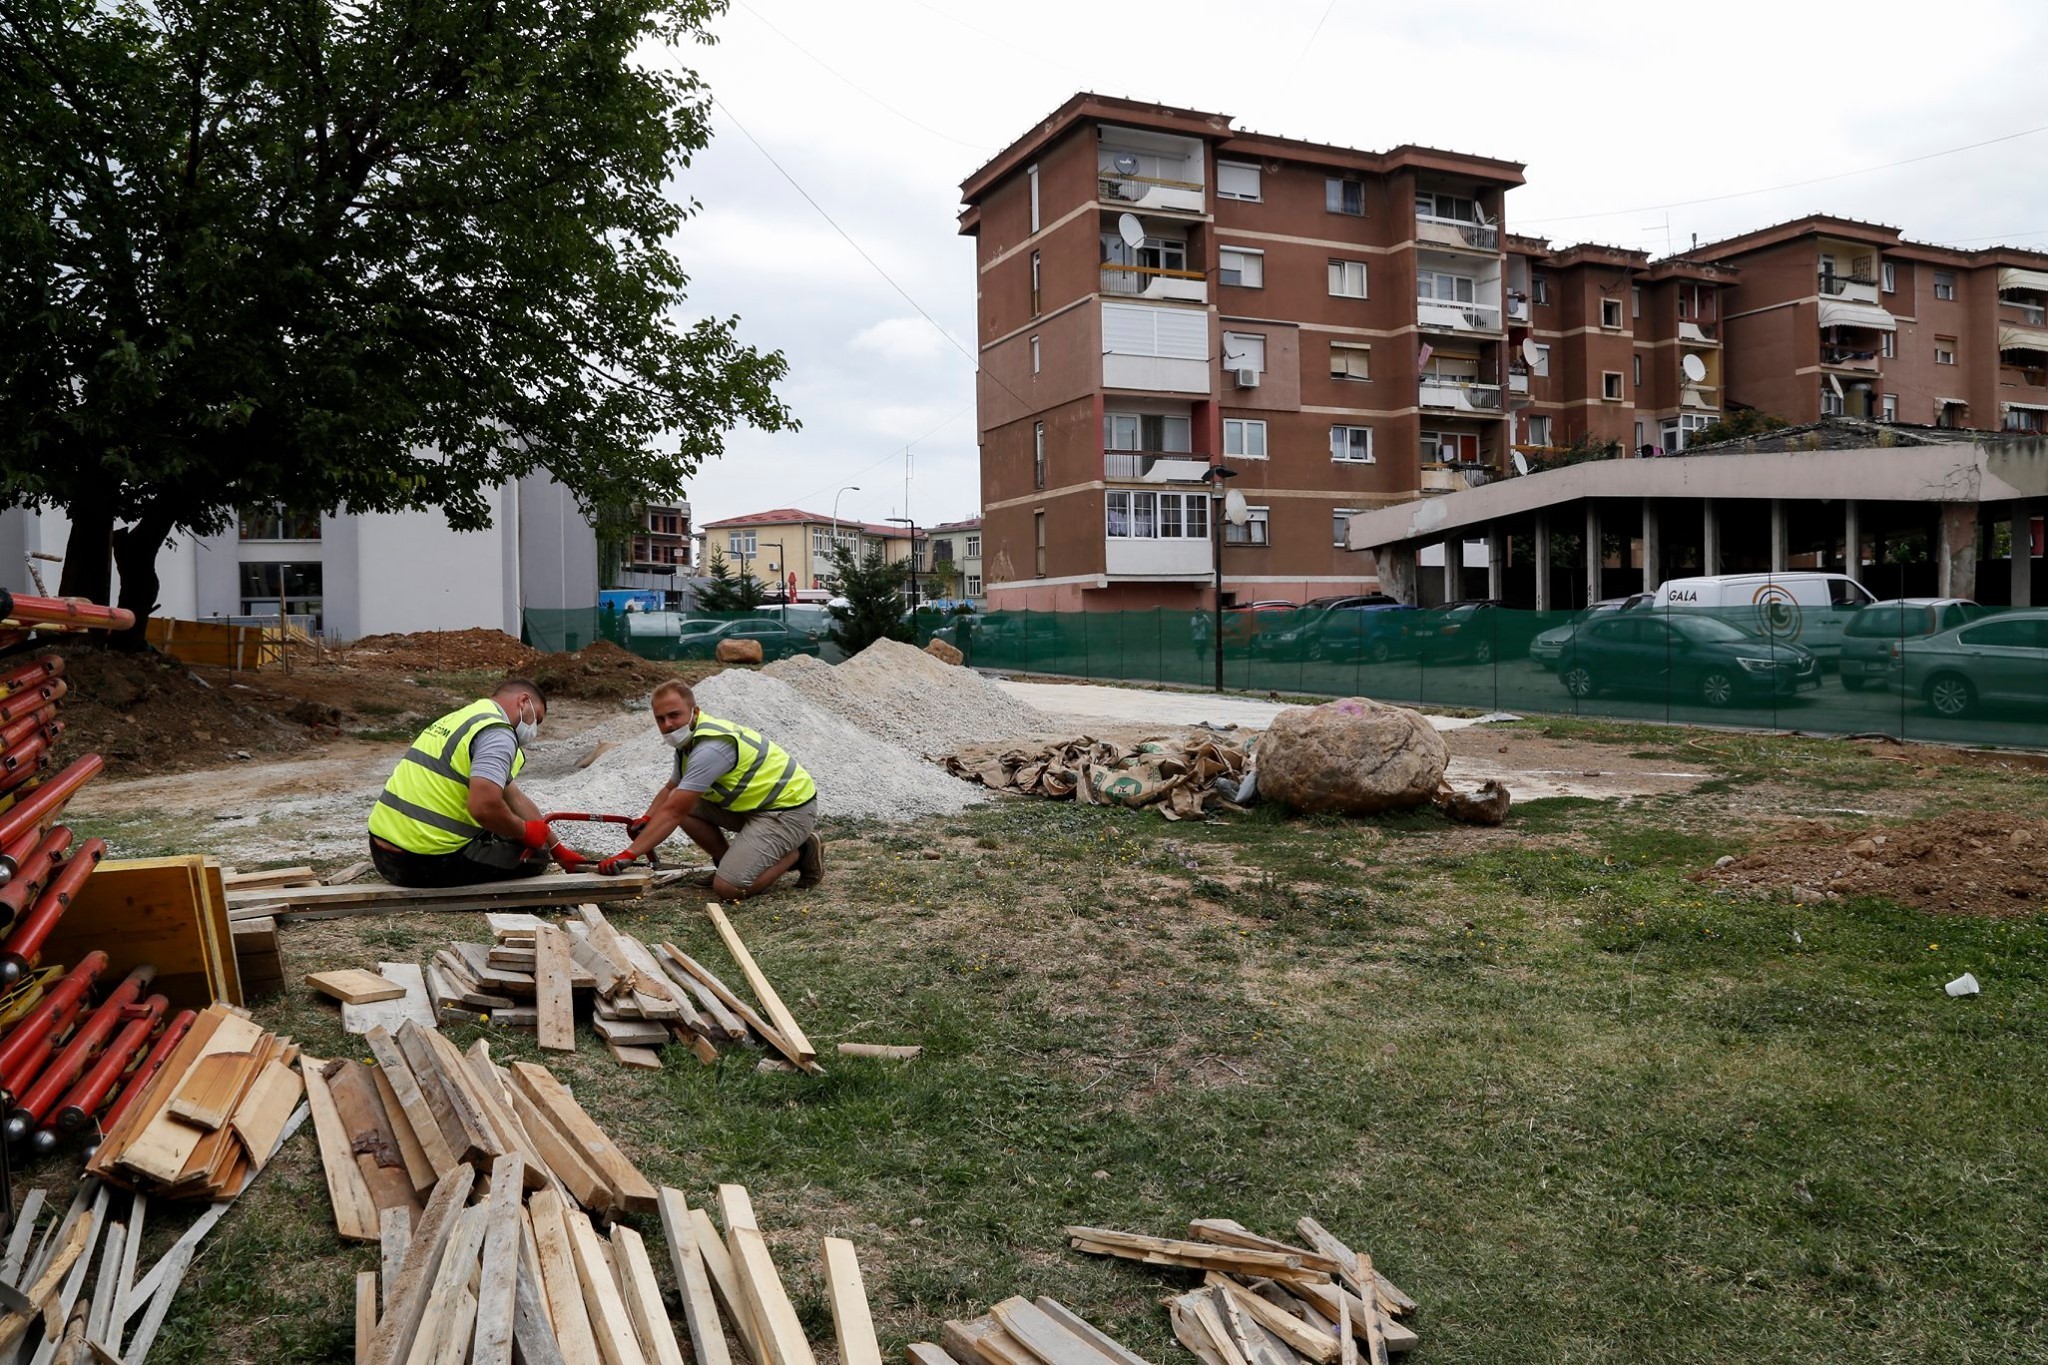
[[1154, 466], [1518, 382], [1154, 282], [1518, 308], [1137, 557], [1459, 395], [1453, 232], [1848, 288], [2022, 313], [1703, 333], [1859, 358], [1150, 193], [1442, 315], [1700, 397]]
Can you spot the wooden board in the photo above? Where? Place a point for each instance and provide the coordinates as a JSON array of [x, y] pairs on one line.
[[377, 898], [207, 1093], [693, 1284], [354, 986], [1200, 1255], [355, 1213], [582, 1181], [769, 1033], [1296, 1334], [552, 999], [260, 1118], [162, 911], [1231, 1233], [562, 1286], [1109, 1346], [617, 1343], [634, 1058], [413, 1107], [413, 1004], [159, 1151], [419, 1167], [498, 1281], [1392, 1300], [725, 1280], [406, 1304], [511, 924], [886, 1052], [782, 1335], [771, 1004], [1044, 1338], [635, 1194], [853, 1325], [236, 880], [642, 1293]]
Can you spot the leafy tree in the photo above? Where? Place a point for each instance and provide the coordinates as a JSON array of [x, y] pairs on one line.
[[727, 591], [1737, 424], [873, 590], [370, 255]]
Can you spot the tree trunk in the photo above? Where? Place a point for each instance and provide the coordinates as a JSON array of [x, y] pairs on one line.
[[135, 551], [88, 559]]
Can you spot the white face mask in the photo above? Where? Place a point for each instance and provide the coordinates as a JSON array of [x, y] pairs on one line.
[[527, 731], [677, 737]]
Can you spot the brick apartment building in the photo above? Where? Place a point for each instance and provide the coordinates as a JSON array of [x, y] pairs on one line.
[[1161, 293]]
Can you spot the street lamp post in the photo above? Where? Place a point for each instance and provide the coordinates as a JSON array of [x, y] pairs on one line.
[[781, 578], [850, 488], [1216, 475]]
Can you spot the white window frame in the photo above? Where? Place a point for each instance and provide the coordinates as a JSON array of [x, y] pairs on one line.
[[1888, 408], [1945, 285], [1635, 301], [1333, 195], [1257, 530], [1532, 419], [1031, 177], [1636, 362], [1429, 206], [1131, 508], [1888, 345], [1350, 440], [1541, 369], [1342, 273], [1038, 454], [1119, 426], [1468, 294], [743, 543], [973, 585], [1832, 404], [1338, 515], [1944, 350], [1251, 431], [1614, 304], [1037, 283], [1615, 392], [1251, 267], [974, 546], [1257, 195], [1357, 356], [1036, 358], [1250, 351], [1539, 289], [1888, 276], [1431, 447]]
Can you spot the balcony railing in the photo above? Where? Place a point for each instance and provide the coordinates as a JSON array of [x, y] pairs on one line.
[[2028, 314], [1691, 329], [1457, 232], [1849, 357], [1443, 391], [1156, 466], [1518, 308], [1446, 315], [1150, 191], [1837, 283], [1154, 282], [1518, 381]]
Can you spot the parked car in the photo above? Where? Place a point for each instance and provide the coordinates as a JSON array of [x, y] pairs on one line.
[[1868, 639], [1244, 624], [1477, 631], [777, 640], [1796, 607], [1548, 647], [2002, 658], [1368, 630], [1683, 655]]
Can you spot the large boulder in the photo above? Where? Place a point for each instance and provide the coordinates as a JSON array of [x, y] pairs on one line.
[[1350, 757], [739, 651], [944, 652]]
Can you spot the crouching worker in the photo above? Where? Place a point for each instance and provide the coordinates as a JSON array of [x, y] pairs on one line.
[[451, 814], [739, 797]]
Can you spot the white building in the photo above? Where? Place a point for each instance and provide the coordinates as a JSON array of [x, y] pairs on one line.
[[357, 574]]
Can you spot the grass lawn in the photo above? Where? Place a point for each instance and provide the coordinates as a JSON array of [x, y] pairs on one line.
[[1578, 1106]]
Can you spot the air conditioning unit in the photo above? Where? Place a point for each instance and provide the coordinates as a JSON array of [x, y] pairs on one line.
[[1247, 379]]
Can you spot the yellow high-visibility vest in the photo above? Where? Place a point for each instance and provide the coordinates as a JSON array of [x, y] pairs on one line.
[[765, 778], [425, 805]]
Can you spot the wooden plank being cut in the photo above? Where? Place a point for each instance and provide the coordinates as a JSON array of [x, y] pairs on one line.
[[355, 1212], [610, 1323], [557, 1017], [782, 1335], [693, 1284], [853, 1325], [740, 1008], [556, 1105], [354, 986], [390, 1015], [498, 1282], [374, 898], [406, 1304], [559, 1281], [771, 1003], [207, 1094], [642, 1293]]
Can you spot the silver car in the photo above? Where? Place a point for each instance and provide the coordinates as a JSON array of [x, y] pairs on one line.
[[1868, 638], [1998, 659]]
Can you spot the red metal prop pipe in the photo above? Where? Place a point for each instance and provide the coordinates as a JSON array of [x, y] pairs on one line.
[[37, 722], [17, 1081], [25, 756], [13, 708], [33, 871], [63, 611], [50, 797], [138, 1080], [24, 947], [84, 1099], [33, 675], [15, 787], [39, 1021], [40, 1100]]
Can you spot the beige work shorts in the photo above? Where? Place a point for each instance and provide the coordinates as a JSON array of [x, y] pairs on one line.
[[759, 839]]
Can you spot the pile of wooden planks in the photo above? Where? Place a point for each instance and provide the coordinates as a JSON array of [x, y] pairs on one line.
[[1020, 1331], [209, 1119], [377, 898], [1265, 1302], [390, 1134]]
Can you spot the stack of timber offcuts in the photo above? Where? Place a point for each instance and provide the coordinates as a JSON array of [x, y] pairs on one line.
[[1265, 1302]]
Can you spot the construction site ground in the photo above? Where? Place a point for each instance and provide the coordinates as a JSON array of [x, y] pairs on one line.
[[1587, 1091]]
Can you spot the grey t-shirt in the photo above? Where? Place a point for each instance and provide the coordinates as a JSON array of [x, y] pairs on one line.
[[491, 751], [704, 762]]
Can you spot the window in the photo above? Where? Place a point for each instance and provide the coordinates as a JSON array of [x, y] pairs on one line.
[[1890, 410], [2024, 419], [1539, 288], [1349, 360], [1351, 445], [1245, 269], [821, 541], [1036, 296], [1610, 385], [1445, 288], [1035, 358], [974, 585], [1038, 454], [1038, 541], [1450, 447], [1253, 532], [2009, 634], [1155, 516], [1944, 350], [974, 547], [1888, 275], [278, 522], [1244, 439], [1244, 351], [1145, 431], [1031, 176], [1610, 312], [1449, 207], [1685, 302], [1638, 371], [1171, 333], [942, 552], [1541, 368], [297, 586], [1539, 430], [1832, 404], [1340, 524], [1888, 344], [741, 542], [1237, 180], [1344, 196], [1635, 301], [1347, 279], [1944, 284], [1641, 439]]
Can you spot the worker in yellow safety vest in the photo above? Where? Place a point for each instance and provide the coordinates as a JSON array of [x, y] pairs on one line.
[[451, 814], [739, 797]]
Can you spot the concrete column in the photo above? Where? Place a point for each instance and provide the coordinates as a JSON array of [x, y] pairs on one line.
[[2022, 555], [1496, 561], [1542, 565], [1397, 572], [1956, 557], [1710, 537], [1454, 567], [1852, 539], [1592, 548], [1781, 535], [1653, 548]]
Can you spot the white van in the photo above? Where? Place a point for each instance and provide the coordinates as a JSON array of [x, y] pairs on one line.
[[1810, 609]]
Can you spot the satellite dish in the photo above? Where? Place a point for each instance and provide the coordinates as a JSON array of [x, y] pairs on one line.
[[1125, 164], [1531, 352], [1695, 368], [1235, 510], [1131, 230], [1521, 463]]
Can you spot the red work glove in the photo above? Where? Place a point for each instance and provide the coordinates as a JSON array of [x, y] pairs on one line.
[[614, 865], [537, 834], [635, 828], [569, 858]]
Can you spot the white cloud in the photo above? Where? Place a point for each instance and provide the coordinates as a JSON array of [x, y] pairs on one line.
[[901, 339]]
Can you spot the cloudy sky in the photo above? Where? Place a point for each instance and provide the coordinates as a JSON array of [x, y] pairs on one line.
[[1640, 125]]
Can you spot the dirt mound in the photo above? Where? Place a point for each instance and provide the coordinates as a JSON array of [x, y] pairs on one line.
[[1964, 863], [599, 671], [145, 714], [444, 651]]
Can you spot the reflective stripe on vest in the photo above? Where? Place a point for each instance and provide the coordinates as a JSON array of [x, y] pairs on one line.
[[425, 804], [764, 777]]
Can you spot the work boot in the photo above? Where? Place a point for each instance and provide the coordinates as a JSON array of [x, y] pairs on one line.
[[810, 861]]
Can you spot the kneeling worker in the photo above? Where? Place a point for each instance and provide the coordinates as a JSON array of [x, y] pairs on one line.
[[451, 815], [730, 780]]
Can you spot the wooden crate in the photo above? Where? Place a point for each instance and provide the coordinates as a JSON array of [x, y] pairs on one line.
[[169, 911]]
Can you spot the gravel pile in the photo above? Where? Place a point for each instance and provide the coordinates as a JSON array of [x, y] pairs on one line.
[[911, 699], [858, 773]]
